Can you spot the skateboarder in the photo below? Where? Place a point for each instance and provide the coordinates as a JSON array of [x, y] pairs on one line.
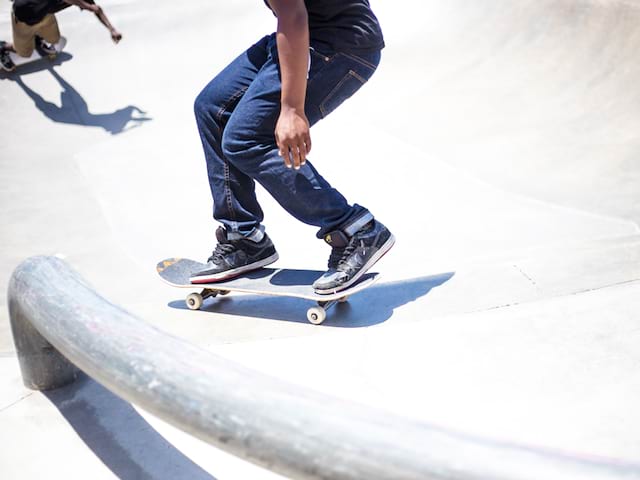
[[254, 119], [34, 25]]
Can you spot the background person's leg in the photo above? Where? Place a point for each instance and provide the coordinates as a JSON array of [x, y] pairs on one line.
[[48, 29], [23, 37]]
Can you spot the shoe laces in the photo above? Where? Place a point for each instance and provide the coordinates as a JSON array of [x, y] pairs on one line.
[[221, 251], [340, 256]]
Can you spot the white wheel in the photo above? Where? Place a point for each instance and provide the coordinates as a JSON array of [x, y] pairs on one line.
[[194, 301], [316, 315], [343, 299]]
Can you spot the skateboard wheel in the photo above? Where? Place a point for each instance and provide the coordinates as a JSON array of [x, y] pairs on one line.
[[194, 301], [316, 315], [343, 299]]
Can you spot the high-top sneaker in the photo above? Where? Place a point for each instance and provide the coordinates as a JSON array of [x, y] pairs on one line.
[[235, 257], [349, 261]]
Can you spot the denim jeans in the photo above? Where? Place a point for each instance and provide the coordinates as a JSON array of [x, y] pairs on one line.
[[236, 115]]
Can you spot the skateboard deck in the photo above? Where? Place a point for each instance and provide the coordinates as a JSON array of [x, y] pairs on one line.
[[282, 282], [35, 56]]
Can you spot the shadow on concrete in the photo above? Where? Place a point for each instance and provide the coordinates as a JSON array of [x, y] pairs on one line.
[[119, 436], [369, 307], [74, 110]]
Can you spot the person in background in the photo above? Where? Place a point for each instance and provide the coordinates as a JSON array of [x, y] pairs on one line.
[[34, 25]]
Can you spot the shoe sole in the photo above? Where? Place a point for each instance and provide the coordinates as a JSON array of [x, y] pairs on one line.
[[386, 246], [229, 274]]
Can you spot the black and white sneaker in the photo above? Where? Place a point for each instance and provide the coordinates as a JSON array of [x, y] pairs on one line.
[[45, 49], [5, 59], [235, 257], [350, 261]]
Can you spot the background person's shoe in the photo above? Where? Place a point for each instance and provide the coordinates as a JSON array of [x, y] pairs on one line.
[[235, 257], [6, 61], [45, 49], [5, 58]]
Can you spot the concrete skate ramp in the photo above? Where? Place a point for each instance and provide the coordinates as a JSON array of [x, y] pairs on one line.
[[538, 97], [498, 142]]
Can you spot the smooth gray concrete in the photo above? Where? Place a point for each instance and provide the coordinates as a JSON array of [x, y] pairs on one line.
[[497, 140]]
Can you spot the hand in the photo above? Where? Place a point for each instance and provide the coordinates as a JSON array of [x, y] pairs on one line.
[[293, 137], [116, 36]]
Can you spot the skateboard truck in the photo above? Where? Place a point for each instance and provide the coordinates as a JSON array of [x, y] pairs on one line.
[[194, 300], [315, 315]]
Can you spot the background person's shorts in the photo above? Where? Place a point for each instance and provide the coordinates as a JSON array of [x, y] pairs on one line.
[[24, 34]]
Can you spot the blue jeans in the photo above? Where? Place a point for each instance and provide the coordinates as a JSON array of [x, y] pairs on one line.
[[236, 115]]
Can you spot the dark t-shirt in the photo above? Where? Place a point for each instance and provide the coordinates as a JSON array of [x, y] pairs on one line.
[[344, 25], [33, 11]]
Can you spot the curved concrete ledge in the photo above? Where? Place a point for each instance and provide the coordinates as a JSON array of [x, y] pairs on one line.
[[59, 321]]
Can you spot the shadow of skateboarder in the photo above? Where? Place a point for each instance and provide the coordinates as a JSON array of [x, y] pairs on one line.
[[74, 110]]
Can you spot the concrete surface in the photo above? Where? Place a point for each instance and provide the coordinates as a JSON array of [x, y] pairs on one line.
[[498, 140]]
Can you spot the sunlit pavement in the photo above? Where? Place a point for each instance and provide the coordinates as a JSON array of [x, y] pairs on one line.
[[498, 141]]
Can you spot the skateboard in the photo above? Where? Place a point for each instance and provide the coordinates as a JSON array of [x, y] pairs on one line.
[[35, 56], [265, 281]]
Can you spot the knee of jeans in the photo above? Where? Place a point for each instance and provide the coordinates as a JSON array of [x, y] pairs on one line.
[[231, 144], [236, 144], [205, 113], [200, 106]]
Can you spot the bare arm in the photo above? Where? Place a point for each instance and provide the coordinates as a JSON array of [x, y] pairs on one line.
[[97, 10], [292, 37]]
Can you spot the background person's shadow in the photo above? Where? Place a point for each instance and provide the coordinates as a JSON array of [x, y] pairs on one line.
[[74, 110]]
